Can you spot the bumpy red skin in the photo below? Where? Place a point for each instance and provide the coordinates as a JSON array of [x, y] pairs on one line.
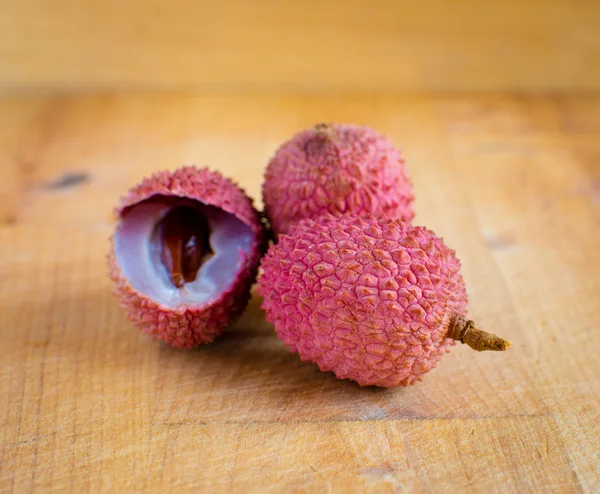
[[186, 327], [369, 299], [352, 170]]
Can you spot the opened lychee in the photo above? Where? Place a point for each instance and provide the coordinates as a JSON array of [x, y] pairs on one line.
[[373, 300], [334, 168], [185, 253]]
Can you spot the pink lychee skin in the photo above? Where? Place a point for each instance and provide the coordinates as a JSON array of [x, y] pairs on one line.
[[342, 169], [186, 327], [369, 299]]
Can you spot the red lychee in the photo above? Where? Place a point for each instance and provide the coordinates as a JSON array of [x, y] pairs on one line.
[[185, 253], [334, 168], [374, 300]]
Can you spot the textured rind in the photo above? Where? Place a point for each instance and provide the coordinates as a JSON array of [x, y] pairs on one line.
[[369, 299], [337, 169], [186, 327]]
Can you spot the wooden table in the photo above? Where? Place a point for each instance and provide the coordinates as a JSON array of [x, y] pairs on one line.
[[88, 403]]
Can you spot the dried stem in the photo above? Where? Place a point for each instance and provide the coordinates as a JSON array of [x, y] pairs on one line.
[[325, 130], [464, 330]]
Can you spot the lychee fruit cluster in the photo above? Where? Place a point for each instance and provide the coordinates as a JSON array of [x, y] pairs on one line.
[[349, 283]]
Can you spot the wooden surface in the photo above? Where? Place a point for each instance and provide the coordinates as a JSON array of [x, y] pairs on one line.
[[314, 45], [88, 404]]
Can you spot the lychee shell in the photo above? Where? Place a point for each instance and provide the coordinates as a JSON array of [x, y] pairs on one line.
[[369, 299], [335, 168], [186, 326]]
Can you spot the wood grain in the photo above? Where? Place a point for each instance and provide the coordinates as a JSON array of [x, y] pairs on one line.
[[88, 404], [313, 45]]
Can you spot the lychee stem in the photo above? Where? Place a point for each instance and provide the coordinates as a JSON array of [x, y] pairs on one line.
[[325, 130], [464, 330]]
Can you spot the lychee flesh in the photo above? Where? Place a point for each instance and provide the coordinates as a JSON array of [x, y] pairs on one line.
[[369, 299], [336, 168], [185, 254]]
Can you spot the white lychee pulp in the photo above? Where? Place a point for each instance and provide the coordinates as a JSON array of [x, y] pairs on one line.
[[137, 249]]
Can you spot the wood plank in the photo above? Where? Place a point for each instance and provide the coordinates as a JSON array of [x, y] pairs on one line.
[[373, 456], [89, 404], [313, 45]]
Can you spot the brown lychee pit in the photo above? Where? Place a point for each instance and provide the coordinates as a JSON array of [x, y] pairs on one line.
[[184, 243], [180, 251]]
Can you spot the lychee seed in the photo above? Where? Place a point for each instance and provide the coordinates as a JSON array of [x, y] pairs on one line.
[[184, 237]]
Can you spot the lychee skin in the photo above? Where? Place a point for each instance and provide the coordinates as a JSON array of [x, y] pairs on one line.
[[335, 168], [187, 326], [369, 299]]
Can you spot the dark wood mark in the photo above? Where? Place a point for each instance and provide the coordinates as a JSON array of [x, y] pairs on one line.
[[69, 179]]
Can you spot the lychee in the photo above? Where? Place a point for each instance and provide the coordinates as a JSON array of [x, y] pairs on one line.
[[335, 168], [374, 300], [185, 253]]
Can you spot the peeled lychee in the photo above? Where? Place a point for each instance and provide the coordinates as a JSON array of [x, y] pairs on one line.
[[334, 168], [373, 300], [185, 253]]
